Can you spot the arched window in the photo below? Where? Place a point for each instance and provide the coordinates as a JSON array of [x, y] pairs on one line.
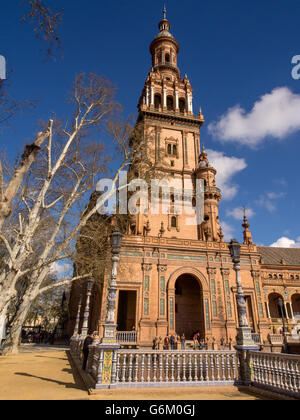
[[170, 103], [175, 150], [182, 105], [174, 222], [168, 58], [275, 308], [159, 57], [169, 149], [157, 101], [296, 304]]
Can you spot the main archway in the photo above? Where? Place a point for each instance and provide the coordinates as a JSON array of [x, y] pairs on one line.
[[189, 307]]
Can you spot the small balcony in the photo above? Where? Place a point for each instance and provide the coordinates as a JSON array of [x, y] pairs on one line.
[[127, 338]]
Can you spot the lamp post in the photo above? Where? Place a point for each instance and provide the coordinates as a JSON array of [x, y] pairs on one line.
[[110, 326], [106, 376], [244, 338], [285, 346]]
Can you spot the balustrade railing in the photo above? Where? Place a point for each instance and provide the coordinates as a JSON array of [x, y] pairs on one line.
[[149, 368], [276, 372], [127, 337], [171, 368], [256, 338], [276, 338]]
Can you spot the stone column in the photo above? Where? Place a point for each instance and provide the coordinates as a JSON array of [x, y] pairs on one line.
[[86, 316], [286, 310], [190, 102], [176, 100], [164, 98], [268, 310], [76, 328], [152, 96], [292, 311]]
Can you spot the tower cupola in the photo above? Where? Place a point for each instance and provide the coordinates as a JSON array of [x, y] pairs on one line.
[[164, 48]]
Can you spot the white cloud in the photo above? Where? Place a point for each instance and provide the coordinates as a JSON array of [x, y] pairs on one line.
[[61, 269], [227, 167], [228, 231], [275, 114], [268, 200], [238, 213], [286, 243]]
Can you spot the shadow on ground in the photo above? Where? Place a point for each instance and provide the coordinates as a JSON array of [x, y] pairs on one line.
[[67, 385]]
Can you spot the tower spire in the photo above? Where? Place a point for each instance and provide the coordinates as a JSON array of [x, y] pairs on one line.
[[247, 233], [165, 12]]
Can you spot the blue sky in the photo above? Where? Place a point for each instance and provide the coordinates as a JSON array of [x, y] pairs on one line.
[[234, 53]]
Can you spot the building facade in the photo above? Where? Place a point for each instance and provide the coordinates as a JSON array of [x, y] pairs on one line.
[[177, 277]]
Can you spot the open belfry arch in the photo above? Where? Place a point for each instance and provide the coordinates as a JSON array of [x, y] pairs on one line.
[[174, 276]]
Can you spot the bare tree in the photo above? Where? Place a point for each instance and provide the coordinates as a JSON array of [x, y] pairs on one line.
[[66, 170], [46, 22], [9, 192]]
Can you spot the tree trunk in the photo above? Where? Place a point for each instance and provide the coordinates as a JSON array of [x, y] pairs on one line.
[[11, 344]]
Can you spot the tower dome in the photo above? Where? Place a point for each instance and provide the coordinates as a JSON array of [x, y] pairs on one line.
[[164, 48]]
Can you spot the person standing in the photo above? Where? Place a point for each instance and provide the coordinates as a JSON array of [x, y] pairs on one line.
[[166, 343], [196, 342], [172, 342], [87, 342], [182, 340]]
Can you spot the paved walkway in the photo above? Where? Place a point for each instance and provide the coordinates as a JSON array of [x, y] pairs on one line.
[[40, 373]]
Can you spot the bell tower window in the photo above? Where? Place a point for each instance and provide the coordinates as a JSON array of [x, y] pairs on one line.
[[170, 103], [182, 105], [157, 101], [172, 149], [168, 59]]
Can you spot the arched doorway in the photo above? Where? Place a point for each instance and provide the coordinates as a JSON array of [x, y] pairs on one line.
[[189, 307], [296, 305], [275, 310]]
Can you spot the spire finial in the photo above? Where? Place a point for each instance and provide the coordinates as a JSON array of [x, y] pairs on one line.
[[165, 12], [247, 234], [245, 214]]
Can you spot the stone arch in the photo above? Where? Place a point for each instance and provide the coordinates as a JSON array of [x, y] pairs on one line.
[[202, 280], [188, 291], [275, 311], [295, 301]]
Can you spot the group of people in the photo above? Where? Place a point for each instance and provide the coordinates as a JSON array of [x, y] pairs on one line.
[[177, 342], [38, 337], [170, 342], [199, 343]]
